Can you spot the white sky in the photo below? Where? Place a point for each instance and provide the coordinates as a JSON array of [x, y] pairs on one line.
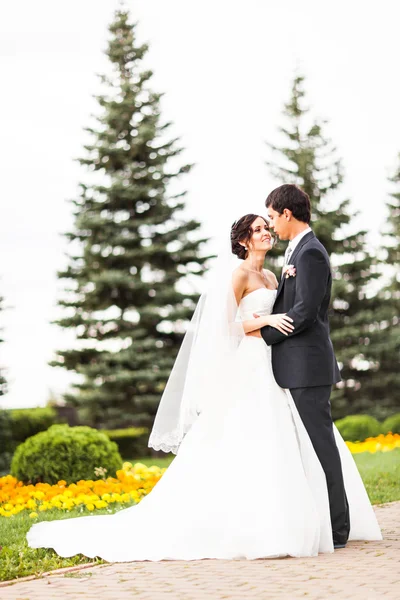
[[226, 68]]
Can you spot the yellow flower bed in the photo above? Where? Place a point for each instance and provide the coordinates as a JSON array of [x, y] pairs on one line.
[[381, 443], [132, 483], [130, 486]]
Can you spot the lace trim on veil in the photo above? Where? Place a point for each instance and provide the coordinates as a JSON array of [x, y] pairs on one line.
[[167, 442]]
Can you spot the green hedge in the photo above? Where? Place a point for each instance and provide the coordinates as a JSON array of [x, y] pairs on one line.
[[18, 424], [391, 424], [7, 445], [26, 422], [357, 428], [131, 442], [67, 453]]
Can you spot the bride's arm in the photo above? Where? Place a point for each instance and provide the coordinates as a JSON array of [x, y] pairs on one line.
[[239, 283], [280, 322], [254, 324], [313, 283]]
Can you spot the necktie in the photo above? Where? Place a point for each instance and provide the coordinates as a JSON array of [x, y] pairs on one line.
[[288, 253]]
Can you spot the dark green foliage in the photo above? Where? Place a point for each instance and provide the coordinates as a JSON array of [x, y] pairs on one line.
[[26, 422], [307, 158], [65, 453], [391, 424], [17, 424], [384, 327], [6, 442], [3, 382], [357, 428], [130, 250], [131, 442]]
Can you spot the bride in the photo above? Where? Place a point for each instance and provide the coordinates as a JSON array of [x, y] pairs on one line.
[[246, 482]]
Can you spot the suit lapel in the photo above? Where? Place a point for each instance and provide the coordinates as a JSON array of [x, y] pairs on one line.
[[310, 235], [280, 286]]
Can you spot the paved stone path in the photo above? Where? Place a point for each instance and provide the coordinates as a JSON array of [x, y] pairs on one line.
[[361, 571]]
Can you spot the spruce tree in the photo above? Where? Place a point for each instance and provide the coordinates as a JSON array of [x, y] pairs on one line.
[[3, 382], [132, 249], [384, 328], [308, 158]]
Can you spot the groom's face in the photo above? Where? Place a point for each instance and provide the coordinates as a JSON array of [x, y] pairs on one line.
[[279, 223]]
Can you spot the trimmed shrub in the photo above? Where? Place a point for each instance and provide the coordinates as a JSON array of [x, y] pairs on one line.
[[65, 453], [26, 422], [391, 424], [7, 445], [357, 428], [131, 442]]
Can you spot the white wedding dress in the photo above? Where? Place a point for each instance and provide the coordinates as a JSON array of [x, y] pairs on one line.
[[246, 482]]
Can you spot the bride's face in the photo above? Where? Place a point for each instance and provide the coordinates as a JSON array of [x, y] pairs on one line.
[[261, 238]]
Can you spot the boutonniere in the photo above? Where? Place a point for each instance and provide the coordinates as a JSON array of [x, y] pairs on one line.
[[289, 271]]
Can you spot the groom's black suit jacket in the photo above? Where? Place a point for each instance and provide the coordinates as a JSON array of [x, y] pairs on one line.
[[304, 358]]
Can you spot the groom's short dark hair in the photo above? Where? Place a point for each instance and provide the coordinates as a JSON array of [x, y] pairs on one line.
[[293, 198]]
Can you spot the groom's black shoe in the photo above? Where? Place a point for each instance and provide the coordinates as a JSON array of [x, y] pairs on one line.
[[338, 545]]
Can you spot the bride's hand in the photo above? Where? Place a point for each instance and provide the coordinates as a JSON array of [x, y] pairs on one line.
[[281, 322]]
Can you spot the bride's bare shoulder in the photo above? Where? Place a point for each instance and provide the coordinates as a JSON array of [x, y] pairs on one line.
[[240, 274], [271, 277]]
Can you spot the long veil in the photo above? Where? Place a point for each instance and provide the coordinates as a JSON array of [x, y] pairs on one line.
[[204, 362]]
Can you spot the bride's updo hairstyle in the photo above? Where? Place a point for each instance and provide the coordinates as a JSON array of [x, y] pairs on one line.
[[241, 231]]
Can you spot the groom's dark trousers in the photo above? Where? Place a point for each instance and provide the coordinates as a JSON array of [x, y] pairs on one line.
[[304, 362], [314, 408]]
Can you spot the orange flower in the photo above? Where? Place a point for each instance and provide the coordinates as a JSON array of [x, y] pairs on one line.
[[132, 483]]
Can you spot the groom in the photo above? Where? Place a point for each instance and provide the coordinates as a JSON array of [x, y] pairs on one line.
[[304, 361]]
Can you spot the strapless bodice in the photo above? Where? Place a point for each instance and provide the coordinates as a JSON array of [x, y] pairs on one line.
[[259, 301]]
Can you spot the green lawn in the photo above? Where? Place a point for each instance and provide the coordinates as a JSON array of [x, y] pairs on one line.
[[17, 560], [380, 472], [381, 475]]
